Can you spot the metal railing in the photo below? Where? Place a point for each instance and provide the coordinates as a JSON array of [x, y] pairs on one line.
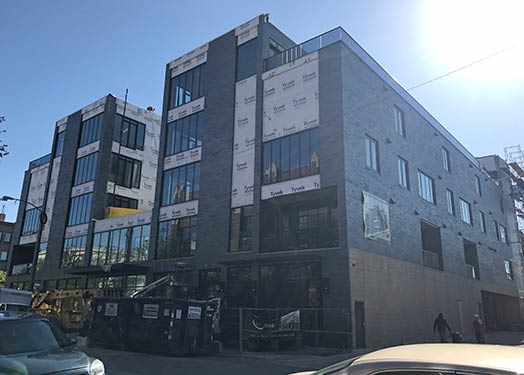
[[258, 329], [312, 45]]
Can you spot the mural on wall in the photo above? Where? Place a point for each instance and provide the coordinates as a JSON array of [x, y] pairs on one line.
[[376, 219], [291, 98], [243, 176]]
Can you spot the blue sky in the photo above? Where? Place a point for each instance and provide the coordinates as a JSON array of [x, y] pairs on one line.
[[57, 56]]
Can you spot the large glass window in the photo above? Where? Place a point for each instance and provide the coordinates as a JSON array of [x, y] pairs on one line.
[[59, 146], [126, 171], [31, 222], [291, 157], [187, 86], [7, 237], [129, 133], [80, 209], [184, 134], [181, 184], [86, 169], [307, 221], [121, 245], [372, 158], [247, 59], [74, 251], [465, 211], [42, 252], [120, 201], [91, 130], [241, 229], [3, 256], [426, 187], [403, 173], [177, 238]]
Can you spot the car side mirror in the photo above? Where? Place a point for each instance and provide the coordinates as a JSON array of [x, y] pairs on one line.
[[73, 341]]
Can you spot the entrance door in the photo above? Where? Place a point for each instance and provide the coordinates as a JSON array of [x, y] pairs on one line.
[[360, 325]]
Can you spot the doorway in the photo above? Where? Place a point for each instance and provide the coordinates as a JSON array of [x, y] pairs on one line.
[[360, 325]]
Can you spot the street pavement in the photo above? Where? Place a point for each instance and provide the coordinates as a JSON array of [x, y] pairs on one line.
[[230, 362]]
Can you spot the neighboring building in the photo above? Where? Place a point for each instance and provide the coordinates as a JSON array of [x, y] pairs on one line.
[[6, 233], [305, 176], [100, 160]]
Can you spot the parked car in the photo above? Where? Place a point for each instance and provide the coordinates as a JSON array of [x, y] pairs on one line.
[[32, 345], [433, 359]]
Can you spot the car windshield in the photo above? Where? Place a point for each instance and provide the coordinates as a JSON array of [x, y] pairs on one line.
[[23, 336]]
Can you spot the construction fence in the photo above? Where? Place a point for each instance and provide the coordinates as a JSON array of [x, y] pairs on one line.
[[258, 329]]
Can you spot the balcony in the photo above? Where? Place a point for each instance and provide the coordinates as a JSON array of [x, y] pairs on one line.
[[431, 259], [21, 269], [312, 45]]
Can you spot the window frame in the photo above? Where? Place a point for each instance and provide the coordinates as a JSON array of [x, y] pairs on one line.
[[509, 275], [482, 220], [400, 121], [478, 186], [421, 189], [178, 94], [462, 205], [450, 202], [372, 154], [403, 172], [446, 160]]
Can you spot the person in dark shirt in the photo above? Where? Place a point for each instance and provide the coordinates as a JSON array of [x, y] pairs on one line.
[[441, 325]]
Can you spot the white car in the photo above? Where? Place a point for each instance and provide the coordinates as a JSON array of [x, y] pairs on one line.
[[433, 359]]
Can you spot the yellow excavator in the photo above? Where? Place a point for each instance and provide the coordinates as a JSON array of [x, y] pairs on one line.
[[71, 309]]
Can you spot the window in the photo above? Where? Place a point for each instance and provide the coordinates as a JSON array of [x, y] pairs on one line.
[[306, 221], [508, 267], [91, 130], [450, 202], [465, 211], [69, 284], [372, 157], [7, 237], [120, 201], [275, 48], [478, 186], [426, 187], [400, 125], [445, 160], [472, 260], [3, 256], [126, 171], [129, 133], [31, 222], [247, 59], [80, 209], [403, 173], [42, 252], [187, 86], [119, 286], [431, 245], [503, 234], [291, 157], [181, 184], [59, 146], [177, 238], [121, 245], [184, 134], [86, 169], [482, 220], [241, 229], [497, 233], [74, 251]]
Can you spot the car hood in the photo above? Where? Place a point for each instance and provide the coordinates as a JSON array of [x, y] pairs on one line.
[[65, 361]]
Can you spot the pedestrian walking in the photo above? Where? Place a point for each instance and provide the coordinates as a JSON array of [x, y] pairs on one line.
[[441, 325], [479, 329]]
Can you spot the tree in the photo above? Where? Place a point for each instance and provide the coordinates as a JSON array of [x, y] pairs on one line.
[[3, 146]]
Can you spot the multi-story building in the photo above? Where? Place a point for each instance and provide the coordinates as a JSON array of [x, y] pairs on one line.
[[6, 233], [303, 175], [103, 157]]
